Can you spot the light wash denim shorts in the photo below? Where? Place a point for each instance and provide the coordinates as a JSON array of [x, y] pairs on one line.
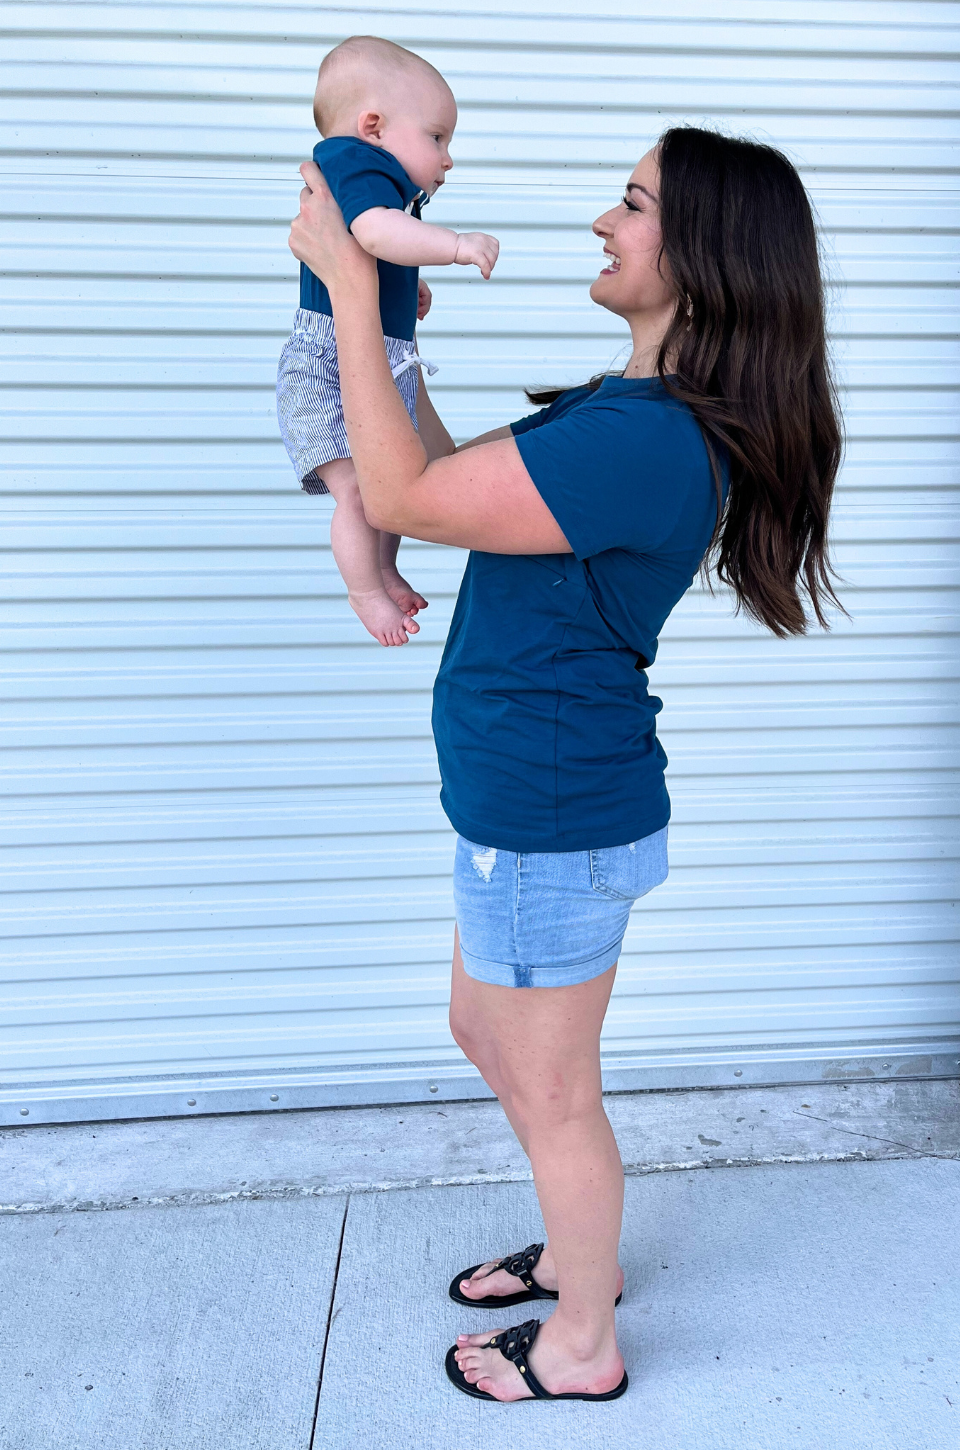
[[549, 919]]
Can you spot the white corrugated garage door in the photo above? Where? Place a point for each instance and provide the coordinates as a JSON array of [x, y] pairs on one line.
[[225, 870]]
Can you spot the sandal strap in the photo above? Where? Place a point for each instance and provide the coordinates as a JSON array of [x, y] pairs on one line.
[[522, 1265], [515, 1344]]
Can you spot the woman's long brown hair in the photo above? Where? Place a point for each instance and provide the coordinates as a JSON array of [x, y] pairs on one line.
[[749, 340]]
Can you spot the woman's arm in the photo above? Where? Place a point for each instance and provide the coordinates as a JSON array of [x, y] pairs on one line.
[[483, 498], [493, 436], [433, 435]]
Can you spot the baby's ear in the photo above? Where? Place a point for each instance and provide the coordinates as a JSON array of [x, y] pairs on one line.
[[370, 127]]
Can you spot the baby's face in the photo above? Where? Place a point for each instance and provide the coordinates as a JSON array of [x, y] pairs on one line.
[[417, 129]]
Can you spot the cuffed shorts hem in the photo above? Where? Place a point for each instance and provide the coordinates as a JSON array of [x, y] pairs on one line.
[[502, 974], [549, 919]]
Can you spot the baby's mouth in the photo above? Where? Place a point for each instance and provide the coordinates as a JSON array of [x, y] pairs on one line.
[[613, 266]]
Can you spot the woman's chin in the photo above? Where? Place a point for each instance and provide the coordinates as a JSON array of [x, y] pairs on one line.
[[604, 292]]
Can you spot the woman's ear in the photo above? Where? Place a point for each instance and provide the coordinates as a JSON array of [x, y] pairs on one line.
[[370, 127]]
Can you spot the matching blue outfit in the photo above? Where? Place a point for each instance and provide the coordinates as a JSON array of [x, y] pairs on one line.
[[552, 773]]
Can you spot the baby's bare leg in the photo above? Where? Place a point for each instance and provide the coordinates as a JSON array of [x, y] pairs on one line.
[[356, 548], [402, 593]]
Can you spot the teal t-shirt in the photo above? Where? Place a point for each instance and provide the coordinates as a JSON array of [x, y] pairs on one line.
[[362, 176], [545, 730]]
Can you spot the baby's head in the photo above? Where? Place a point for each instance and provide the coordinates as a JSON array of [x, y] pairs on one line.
[[388, 96]]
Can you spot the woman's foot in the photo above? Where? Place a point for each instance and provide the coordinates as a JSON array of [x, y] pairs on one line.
[[560, 1364], [500, 1282], [404, 596], [381, 616]]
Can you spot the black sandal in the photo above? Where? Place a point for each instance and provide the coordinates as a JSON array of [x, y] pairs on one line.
[[522, 1266], [515, 1344]]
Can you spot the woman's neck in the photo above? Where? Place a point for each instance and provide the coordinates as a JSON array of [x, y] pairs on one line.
[[647, 333]]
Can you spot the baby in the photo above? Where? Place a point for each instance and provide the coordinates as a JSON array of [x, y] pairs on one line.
[[387, 118]]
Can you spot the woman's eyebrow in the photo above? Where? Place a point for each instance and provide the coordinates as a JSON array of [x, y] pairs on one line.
[[635, 186]]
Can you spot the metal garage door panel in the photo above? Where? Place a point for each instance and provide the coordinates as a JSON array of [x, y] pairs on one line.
[[226, 875]]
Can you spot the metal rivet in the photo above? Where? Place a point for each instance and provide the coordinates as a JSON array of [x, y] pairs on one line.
[[274, 1097], [434, 1088], [885, 1066], [24, 1112], [522, 1368], [737, 1072], [191, 1102]]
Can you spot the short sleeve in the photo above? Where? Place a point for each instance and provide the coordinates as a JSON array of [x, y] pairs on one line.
[[616, 471], [532, 420], [569, 398], [364, 177]]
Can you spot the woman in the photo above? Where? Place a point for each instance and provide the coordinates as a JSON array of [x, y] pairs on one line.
[[587, 522]]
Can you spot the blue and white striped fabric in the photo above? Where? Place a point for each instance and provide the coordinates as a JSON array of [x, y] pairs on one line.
[[309, 406]]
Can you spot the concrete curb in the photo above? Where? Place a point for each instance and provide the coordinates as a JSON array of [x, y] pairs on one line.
[[316, 1153]]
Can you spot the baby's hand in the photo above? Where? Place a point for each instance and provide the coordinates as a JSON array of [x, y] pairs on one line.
[[479, 249], [424, 300]]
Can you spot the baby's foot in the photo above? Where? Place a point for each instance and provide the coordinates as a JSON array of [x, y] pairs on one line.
[[404, 596], [382, 617]]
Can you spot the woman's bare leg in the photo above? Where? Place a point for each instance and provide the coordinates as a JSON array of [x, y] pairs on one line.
[[538, 1048], [356, 548]]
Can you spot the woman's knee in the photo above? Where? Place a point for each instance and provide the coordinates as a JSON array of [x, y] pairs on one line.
[[546, 1102], [474, 1042]]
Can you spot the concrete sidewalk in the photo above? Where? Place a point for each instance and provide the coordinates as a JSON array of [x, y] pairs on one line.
[[808, 1304]]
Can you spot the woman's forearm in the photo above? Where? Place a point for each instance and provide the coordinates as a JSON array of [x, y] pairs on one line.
[[388, 455], [433, 434]]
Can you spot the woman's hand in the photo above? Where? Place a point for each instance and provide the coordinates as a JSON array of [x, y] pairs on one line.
[[319, 238]]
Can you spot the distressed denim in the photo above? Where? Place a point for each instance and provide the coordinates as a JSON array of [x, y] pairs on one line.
[[549, 919]]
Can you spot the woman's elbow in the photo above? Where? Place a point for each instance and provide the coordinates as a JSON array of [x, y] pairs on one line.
[[381, 518]]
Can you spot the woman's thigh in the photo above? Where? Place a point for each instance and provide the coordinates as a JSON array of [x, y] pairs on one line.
[[542, 1043]]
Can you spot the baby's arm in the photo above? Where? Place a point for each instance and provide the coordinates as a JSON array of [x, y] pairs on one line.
[[394, 236]]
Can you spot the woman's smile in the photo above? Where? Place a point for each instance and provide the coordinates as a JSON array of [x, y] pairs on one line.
[[613, 265]]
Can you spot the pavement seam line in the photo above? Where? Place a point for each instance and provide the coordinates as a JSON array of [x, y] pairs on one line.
[[330, 1319], [875, 1138]]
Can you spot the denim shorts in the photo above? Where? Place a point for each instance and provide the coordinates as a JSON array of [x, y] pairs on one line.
[[549, 919]]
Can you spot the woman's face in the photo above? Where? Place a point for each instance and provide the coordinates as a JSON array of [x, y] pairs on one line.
[[636, 279]]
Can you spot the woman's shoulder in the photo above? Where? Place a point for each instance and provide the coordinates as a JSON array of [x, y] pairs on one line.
[[632, 414]]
